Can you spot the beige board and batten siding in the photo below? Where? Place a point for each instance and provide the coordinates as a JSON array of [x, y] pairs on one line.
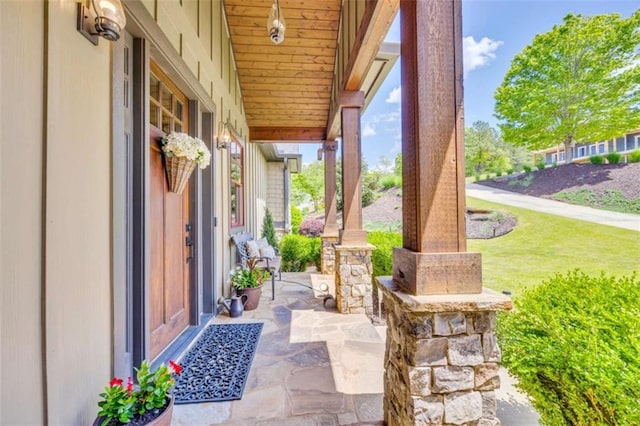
[[78, 219], [21, 161], [56, 177]]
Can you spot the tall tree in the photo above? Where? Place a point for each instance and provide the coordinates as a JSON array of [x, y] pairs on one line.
[[484, 149], [578, 82]]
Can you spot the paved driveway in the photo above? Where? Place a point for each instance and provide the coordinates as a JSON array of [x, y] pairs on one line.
[[588, 214]]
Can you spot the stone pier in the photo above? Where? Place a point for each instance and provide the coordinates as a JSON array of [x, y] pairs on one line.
[[328, 259], [353, 279], [441, 357]]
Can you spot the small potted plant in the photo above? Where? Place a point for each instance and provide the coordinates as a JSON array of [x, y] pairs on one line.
[[248, 280], [148, 403]]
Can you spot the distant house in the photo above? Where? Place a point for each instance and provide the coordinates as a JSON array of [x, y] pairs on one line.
[[582, 151]]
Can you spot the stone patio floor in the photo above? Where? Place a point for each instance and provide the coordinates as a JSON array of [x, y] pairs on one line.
[[314, 366]]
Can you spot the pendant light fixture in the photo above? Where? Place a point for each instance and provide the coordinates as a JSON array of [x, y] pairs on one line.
[[275, 24]]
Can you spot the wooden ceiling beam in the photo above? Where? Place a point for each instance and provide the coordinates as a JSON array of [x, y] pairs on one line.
[[291, 134], [378, 17]]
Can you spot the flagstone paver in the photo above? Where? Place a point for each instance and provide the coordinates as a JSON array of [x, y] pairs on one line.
[[313, 366]]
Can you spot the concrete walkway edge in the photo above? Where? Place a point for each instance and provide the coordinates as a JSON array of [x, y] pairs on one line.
[[544, 205]]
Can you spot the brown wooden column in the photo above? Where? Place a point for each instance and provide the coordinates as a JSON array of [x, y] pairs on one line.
[[352, 232], [330, 197], [433, 259]]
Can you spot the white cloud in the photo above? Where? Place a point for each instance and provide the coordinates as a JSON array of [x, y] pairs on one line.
[[395, 96], [368, 130], [477, 54]]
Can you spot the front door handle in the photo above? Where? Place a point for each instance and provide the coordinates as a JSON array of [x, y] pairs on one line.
[[189, 243]]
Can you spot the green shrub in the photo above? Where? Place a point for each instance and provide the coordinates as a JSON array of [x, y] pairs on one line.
[[298, 252], [510, 171], [295, 251], [315, 252], [477, 177], [498, 172], [596, 159], [634, 157], [268, 230], [296, 219], [382, 256], [614, 158], [573, 342], [541, 165], [526, 168], [390, 181]]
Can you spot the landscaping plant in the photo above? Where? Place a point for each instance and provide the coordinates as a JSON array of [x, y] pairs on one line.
[[297, 251], [596, 159], [634, 157], [296, 219], [311, 227], [573, 342], [382, 256], [122, 404], [268, 230], [614, 158]]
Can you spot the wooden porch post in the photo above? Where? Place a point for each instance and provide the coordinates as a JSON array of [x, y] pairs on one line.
[[330, 197], [432, 260], [437, 336], [352, 232]]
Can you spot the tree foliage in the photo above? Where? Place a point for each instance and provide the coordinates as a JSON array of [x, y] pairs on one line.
[[308, 185], [485, 151], [578, 82]]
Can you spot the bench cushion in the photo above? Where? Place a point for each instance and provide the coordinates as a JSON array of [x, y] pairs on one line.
[[252, 248], [268, 251]]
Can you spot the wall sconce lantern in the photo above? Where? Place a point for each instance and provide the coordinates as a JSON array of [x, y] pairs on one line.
[[103, 18], [275, 23], [224, 140]]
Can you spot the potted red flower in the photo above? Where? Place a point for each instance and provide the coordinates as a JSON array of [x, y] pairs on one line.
[[148, 403]]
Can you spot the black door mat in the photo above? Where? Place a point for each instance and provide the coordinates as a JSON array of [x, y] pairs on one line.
[[216, 367]]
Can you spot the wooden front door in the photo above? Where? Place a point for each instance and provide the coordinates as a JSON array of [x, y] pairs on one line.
[[169, 228]]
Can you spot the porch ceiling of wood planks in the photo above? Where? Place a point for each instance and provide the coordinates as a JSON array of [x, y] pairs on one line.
[[286, 86]]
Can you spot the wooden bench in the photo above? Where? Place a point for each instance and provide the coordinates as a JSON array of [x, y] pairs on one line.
[[266, 263]]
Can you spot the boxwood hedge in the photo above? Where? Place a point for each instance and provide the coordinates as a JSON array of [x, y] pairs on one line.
[[574, 344]]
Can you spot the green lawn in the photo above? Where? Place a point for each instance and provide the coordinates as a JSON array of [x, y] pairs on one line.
[[544, 244]]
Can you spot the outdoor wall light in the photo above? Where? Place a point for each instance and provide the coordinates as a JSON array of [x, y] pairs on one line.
[[224, 140], [275, 23], [103, 18]]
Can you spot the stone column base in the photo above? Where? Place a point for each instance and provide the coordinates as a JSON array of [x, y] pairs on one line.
[[353, 279], [328, 260], [441, 358]]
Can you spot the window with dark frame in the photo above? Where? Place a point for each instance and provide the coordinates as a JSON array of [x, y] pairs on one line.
[[236, 178]]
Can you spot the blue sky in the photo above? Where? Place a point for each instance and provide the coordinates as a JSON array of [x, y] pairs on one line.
[[494, 32]]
